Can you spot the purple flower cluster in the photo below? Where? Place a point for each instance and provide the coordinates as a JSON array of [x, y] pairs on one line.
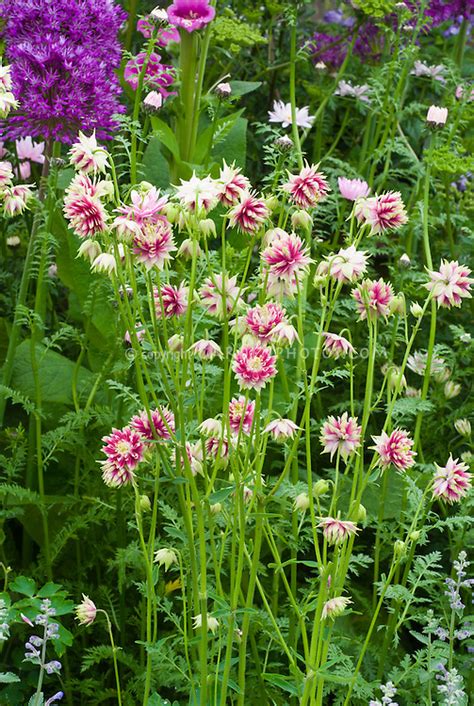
[[452, 10], [63, 56]]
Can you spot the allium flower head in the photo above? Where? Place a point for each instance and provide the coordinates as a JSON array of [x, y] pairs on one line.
[[337, 531], [124, 448], [353, 189], [281, 113], [154, 244], [241, 414], [190, 14], [86, 611], [450, 284], [383, 212], [249, 214], [452, 481], [394, 449], [196, 194], [287, 256], [231, 185], [162, 420], [63, 58], [261, 321], [307, 188], [216, 290], [86, 155], [337, 346], [254, 366], [373, 298], [158, 77], [335, 607], [341, 434], [281, 429], [171, 300]]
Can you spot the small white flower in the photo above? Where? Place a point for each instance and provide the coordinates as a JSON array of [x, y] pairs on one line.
[[281, 113], [165, 557], [212, 623]]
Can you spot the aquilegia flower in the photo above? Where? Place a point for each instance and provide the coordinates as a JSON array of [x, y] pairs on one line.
[[337, 346], [86, 611], [249, 214], [281, 113], [353, 189], [83, 206], [216, 291], [170, 300], [190, 14], [281, 429], [254, 366], [196, 194], [63, 57], [307, 188], [287, 256], [452, 481], [335, 607], [394, 449], [206, 349], [341, 434], [373, 298], [124, 448], [345, 266], [450, 284], [86, 155], [154, 245], [337, 531], [241, 414], [261, 321], [162, 420], [383, 212], [231, 184]]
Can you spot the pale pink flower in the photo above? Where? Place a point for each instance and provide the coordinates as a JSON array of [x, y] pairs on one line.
[[83, 207], [436, 116], [287, 256], [153, 101], [347, 265], [281, 429], [285, 333], [279, 287], [211, 427], [281, 113], [216, 290], [337, 346], [217, 448], [154, 244], [163, 424], [353, 189], [452, 481], [193, 455], [383, 212], [15, 199], [105, 262], [198, 194], [307, 188], [6, 173], [373, 298], [450, 284], [146, 207], [206, 349], [86, 611], [231, 184], [116, 476], [32, 151], [337, 531], [241, 414], [262, 320], [139, 333], [24, 169], [249, 214], [86, 155], [254, 366], [394, 449], [341, 434], [174, 300], [335, 607], [124, 448]]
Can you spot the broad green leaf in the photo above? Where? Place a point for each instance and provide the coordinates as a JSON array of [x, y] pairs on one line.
[[49, 589], [281, 682], [8, 678], [166, 136], [241, 88], [24, 585], [154, 166]]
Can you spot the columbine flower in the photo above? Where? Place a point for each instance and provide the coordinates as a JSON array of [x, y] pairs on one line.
[[373, 298], [281, 429], [146, 209], [231, 184], [89, 249], [417, 363], [27, 149], [451, 389], [281, 113], [341, 434], [452, 481], [105, 262], [345, 88], [86, 155], [307, 188], [337, 346], [217, 290], [15, 199], [249, 214], [422, 69], [284, 333], [353, 189], [436, 116], [394, 449], [165, 557], [212, 623], [190, 14], [262, 320], [196, 194], [254, 366], [345, 266], [83, 207], [171, 300], [381, 213], [6, 173], [335, 607], [301, 502], [124, 448], [114, 476], [206, 349], [287, 256], [162, 420], [154, 244], [337, 531], [450, 284], [86, 611], [463, 427], [241, 414]]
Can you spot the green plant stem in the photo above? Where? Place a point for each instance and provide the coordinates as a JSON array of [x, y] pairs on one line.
[[294, 126], [187, 73], [114, 656]]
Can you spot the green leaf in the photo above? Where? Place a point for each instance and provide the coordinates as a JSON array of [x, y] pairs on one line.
[[23, 585], [155, 168], [233, 148], [285, 683], [49, 589], [241, 88], [166, 136], [8, 678]]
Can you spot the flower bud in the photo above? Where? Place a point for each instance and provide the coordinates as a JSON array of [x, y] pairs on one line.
[[463, 427], [176, 343], [301, 219], [361, 514], [301, 502], [404, 260], [223, 90], [145, 504], [397, 305], [272, 202], [415, 535], [451, 389], [215, 508], [320, 487], [207, 227], [416, 310], [399, 548], [284, 143]]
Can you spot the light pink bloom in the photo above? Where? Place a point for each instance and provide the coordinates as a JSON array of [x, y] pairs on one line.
[[337, 531], [452, 481], [153, 101], [206, 349], [124, 448], [231, 184], [198, 194], [281, 429], [337, 346], [279, 287], [139, 332], [450, 284], [154, 244], [353, 189], [193, 455], [24, 169], [162, 420], [335, 607], [373, 298], [249, 214], [83, 207], [116, 476], [241, 414], [254, 366], [217, 448], [27, 149], [287, 256], [15, 199], [146, 208], [281, 113], [86, 155], [174, 300], [86, 611], [381, 213], [346, 266], [217, 289], [341, 434], [394, 449], [436, 115], [262, 320], [285, 333], [6, 173], [307, 188]]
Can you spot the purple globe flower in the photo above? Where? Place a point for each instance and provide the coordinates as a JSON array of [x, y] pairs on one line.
[[63, 56], [191, 14]]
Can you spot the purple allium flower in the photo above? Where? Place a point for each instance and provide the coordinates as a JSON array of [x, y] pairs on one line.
[[63, 56], [190, 14]]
